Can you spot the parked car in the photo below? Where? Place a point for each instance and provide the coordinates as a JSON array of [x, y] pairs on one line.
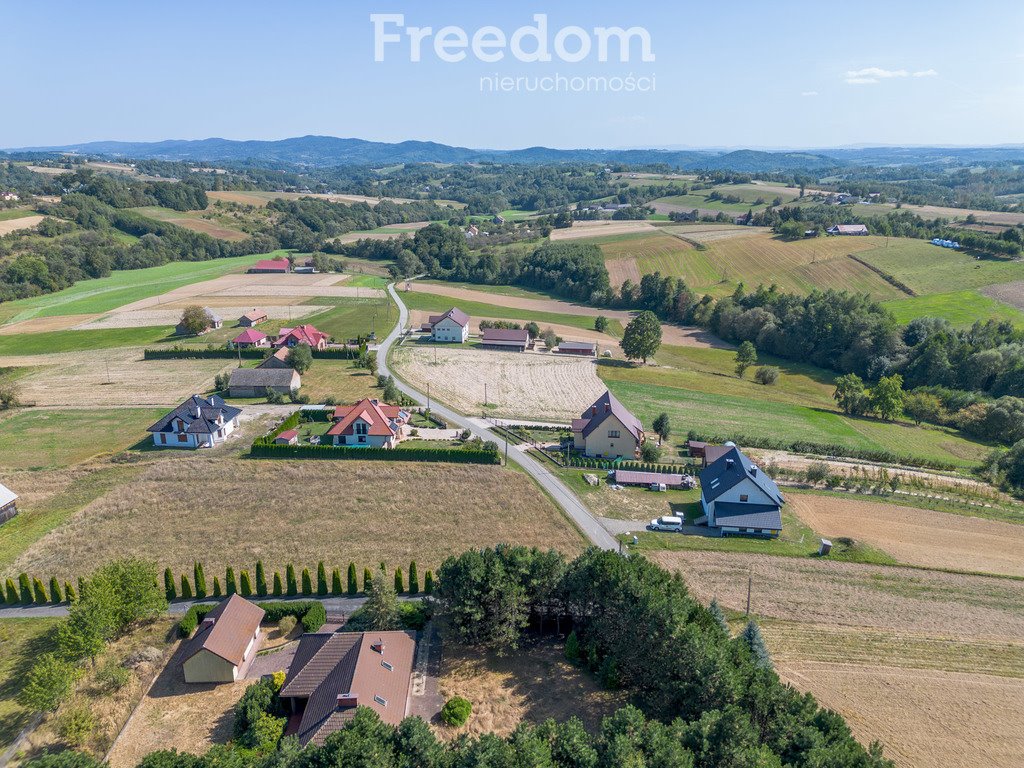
[[666, 523]]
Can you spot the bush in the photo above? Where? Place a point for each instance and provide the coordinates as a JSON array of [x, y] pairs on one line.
[[414, 579], [651, 452], [39, 592], [428, 582], [286, 625], [246, 583], [766, 375], [336, 588], [321, 579], [264, 447], [112, 676], [261, 579], [307, 582], [76, 725], [314, 618], [456, 711], [55, 592], [278, 589], [353, 585], [293, 587], [188, 623], [572, 647], [186, 588], [230, 583]]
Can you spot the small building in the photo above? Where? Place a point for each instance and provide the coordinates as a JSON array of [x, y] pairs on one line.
[[608, 430], [507, 339], [713, 453], [8, 504], [225, 643], [197, 423], [302, 334], [254, 317], [9, 197], [250, 338], [739, 499], [308, 267], [368, 424], [288, 437], [848, 229], [270, 267], [452, 326], [277, 359], [581, 348], [332, 673], [255, 382], [696, 448], [647, 479]]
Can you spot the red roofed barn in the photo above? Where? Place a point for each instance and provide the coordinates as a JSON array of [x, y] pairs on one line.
[[270, 266]]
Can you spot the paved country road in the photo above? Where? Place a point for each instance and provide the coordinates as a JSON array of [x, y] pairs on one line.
[[566, 499]]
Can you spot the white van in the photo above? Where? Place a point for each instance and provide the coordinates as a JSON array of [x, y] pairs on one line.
[[666, 523]]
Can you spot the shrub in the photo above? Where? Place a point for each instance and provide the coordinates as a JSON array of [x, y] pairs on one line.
[[55, 593], [766, 375], [650, 452], [246, 584], [69, 591], [48, 683], [170, 591], [307, 582], [25, 588], [278, 589], [456, 711], [39, 592], [76, 725], [399, 582], [572, 647], [336, 588], [321, 579], [188, 623], [353, 586], [112, 676], [200, 579], [11, 596], [230, 583], [314, 618], [428, 582], [186, 588], [367, 580], [286, 625], [414, 579], [217, 591]]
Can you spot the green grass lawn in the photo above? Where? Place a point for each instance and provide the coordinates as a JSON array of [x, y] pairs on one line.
[[350, 318], [8, 214], [435, 303], [77, 341], [21, 642], [32, 438], [123, 287], [700, 392], [961, 308], [367, 281], [338, 379]]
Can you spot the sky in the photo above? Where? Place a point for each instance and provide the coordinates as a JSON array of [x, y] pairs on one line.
[[789, 74]]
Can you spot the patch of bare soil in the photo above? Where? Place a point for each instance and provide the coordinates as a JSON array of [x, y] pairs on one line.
[[851, 594], [13, 225], [600, 228], [1008, 293], [918, 536]]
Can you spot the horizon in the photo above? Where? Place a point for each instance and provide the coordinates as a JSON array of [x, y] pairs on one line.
[[813, 78]]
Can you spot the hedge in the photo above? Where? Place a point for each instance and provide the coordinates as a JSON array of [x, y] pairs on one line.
[[264, 447], [826, 449], [639, 466], [309, 612], [251, 353]]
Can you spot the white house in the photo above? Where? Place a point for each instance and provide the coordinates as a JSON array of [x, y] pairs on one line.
[[739, 499], [196, 423], [368, 424], [8, 503], [452, 326]]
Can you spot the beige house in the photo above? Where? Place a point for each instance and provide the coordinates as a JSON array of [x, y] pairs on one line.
[[607, 430], [225, 643]]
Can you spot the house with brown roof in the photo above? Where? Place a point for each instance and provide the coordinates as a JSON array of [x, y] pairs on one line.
[[452, 326], [224, 644], [254, 317], [608, 430], [302, 334], [848, 229], [581, 348], [368, 424], [332, 673], [507, 339]]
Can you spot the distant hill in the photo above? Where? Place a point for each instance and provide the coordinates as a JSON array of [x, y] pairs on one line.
[[325, 151]]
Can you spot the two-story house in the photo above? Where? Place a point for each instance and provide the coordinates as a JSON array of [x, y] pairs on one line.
[[368, 424], [452, 326], [739, 499], [196, 423], [608, 430]]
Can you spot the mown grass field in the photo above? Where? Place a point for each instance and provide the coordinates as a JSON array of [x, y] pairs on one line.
[[928, 269], [699, 199], [21, 642], [77, 341], [123, 287], [430, 302], [701, 392], [8, 214], [961, 308], [351, 318]]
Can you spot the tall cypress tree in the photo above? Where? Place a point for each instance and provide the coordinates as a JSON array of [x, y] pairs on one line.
[[307, 582], [11, 596], [278, 589], [261, 579], [321, 579], [169, 589], [428, 582], [230, 584], [55, 594], [353, 586], [414, 579], [367, 580], [186, 588], [217, 592], [399, 582], [25, 588], [200, 579], [39, 592], [293, 587], [336, 588], [246, 584], [71, 597]]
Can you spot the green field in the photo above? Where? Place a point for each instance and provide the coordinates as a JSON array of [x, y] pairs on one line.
[[7, 214], [748, 194], [123, 287], [961, 308], [430, 302], [34, 438], [927, 268], [701, 392], [351, 318], [367, 281], [21, 642], [80, 341]]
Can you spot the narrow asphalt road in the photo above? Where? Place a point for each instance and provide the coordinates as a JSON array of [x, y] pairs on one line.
[[550, 482]]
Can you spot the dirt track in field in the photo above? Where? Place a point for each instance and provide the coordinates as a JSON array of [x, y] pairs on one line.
[[918, 536]]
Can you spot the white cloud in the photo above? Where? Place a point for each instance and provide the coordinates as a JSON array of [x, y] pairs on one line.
[[872, 75], [809, 93]]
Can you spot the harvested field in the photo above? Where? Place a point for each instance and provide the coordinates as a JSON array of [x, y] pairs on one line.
[[924, 718], [985, 217], [525, 386], [164, 317], [13, 225], [196, 221], [918, 536], [600, 228], [260, 199], [533, 684], [709, 233], [113, 377], [850, 594], [178, 715], [46, 324], [301, 512]]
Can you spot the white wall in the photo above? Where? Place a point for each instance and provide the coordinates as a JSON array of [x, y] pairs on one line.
[[449, 330]]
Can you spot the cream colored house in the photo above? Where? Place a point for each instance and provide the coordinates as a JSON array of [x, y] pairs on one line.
[[225, 643], [607, 430]]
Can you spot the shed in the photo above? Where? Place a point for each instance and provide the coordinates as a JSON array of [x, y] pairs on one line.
[[584, 348], [225, 643], [506, 339], [270, 266], [8, 503], [254, 382], [632, 477], [249, 319], [696, 448], [288, 437]]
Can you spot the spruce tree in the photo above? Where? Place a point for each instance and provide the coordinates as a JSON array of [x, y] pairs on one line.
[[399, 582], [261, 579], [367, 581], [428, 582], [230, 585], [170, 591], [321, 579], [572, 647], [353, 585], [414, 579], [307, 582], [200, 579], [55, 593], [246, 583], [758, 648], [11, 596], [293, 587], [186, 588], [716, 612], [278, 589], [217, 592], [336, 588]]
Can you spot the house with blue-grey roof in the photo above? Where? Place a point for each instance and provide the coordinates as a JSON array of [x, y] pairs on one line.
[[739, 499], [197, 423]]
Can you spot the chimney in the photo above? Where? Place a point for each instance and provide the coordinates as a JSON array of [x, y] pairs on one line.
[[206, 623], [378, 647], [347, 700], [753, 470], [607, 407], [729, 463], [593, 410]]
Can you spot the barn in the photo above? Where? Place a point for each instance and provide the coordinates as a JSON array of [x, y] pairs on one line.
[[507, 339]]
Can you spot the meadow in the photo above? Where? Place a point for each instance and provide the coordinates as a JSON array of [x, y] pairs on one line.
[[929, 269], [961, 308], [79, 341], [21, 642], [205, 222]]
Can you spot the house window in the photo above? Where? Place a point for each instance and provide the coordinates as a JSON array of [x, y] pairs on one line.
[[614, 433], [182, 438], [362, 438], [163, 438], [381, 700], [360, 428], [743, 497]]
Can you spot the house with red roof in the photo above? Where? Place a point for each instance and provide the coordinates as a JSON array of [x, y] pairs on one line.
[[302, 334], [249, 338], [270, 267], [368, 424]]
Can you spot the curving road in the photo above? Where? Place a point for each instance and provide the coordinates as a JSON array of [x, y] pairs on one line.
[[550, 482]]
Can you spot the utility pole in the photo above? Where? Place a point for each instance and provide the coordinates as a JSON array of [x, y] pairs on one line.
[[485, 394], [750, 586], [428, 395]]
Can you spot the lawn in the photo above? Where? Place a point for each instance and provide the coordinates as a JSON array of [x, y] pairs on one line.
[[43, 437], [123, 287], [339, 379], [21, 642], [351, 318], [928, 269], [430, 302], [961, 308], [9, 214], [49, 342]]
